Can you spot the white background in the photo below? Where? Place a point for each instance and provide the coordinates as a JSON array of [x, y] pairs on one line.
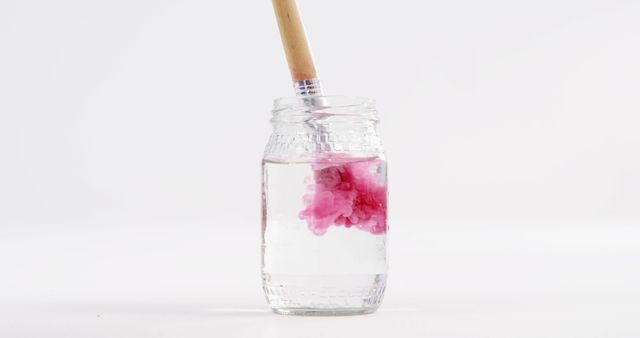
[[131, 134]]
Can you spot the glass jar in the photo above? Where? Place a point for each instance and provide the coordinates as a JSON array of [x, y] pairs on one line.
[[324, 208]]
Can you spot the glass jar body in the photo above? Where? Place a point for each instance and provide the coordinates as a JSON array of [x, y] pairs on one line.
[[324, 221]]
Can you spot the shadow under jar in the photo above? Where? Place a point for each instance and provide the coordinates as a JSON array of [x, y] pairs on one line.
[[324, 208]]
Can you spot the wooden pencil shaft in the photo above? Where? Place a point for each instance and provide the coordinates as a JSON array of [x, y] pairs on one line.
[[294, 40]]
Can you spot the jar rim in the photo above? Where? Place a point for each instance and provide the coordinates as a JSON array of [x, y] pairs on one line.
[[324, 105]]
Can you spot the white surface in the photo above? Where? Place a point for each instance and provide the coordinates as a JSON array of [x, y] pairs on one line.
[[191, 281]]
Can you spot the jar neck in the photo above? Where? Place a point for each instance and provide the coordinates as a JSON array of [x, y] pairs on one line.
[[326, 125], [294, 144], [307, 127]]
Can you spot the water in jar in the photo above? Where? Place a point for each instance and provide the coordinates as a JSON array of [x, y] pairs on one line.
[[324, 235]]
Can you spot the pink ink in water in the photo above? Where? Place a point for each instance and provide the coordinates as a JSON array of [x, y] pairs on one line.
[[347, 192]]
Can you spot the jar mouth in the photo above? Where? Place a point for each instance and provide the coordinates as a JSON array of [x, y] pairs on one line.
[[316, 106]]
